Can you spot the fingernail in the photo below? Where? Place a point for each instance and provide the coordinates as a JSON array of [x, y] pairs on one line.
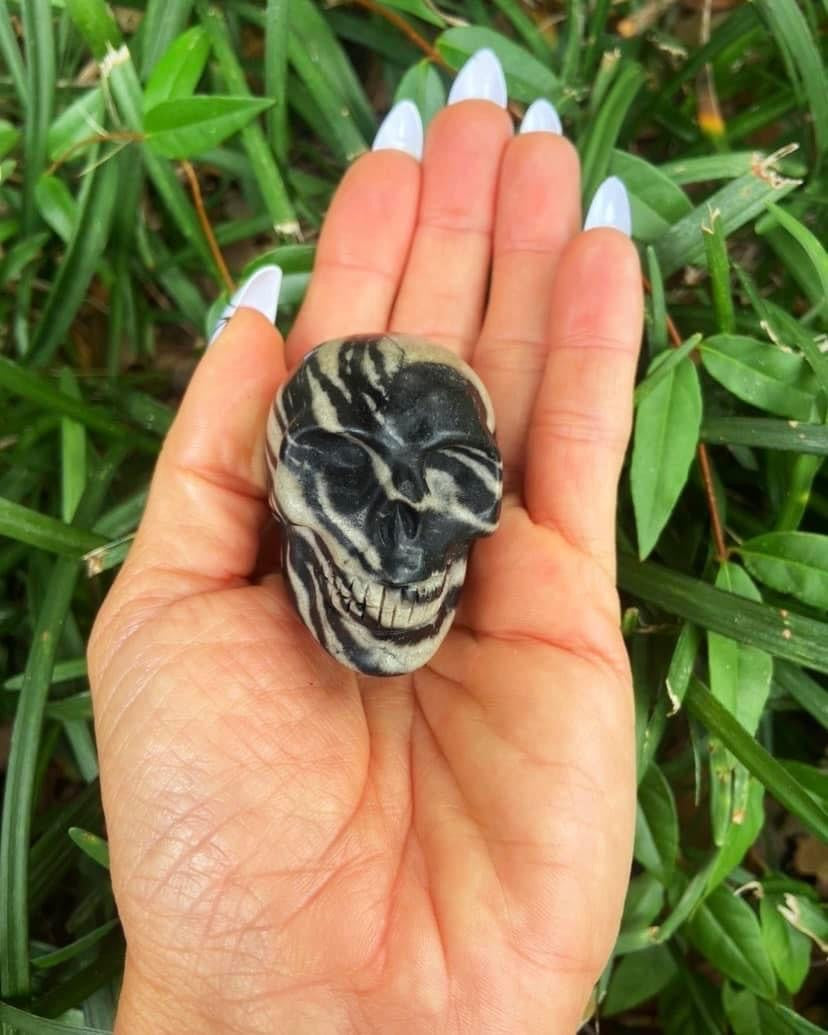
[[610, 207], [260, 292], [541, 117], [480, 79], [401, 130]]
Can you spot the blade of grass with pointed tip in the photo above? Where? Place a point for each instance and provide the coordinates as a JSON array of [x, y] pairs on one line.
[[710, 167], [776, 779], [74, 668], [814, 252], [22, 762], [75, 948], [90, 844], [177, 73], [784, 634], [718, 266], [73, 452]]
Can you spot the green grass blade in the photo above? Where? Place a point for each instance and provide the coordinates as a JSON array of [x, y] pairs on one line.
[[40, 93], [71, 709], [804, 689], [596, 149], [96, 23], [781, 633], [267, 176], [10, 52], [718, 266], [806, 68], [79, 263], [815, 254], [277, 30], [711, 167], [37, 389], [21, 770], [69, 952], [72, 453], [738, 202], [765, 433], [53, 853], [74, 668], [773, 776], [43, 532], [107, 964], [90, 844], [30, 1024], [163, 21]]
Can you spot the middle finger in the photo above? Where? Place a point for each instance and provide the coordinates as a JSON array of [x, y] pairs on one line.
[[443, 290]]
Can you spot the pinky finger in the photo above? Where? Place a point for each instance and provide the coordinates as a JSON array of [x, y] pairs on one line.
[[583, 413]]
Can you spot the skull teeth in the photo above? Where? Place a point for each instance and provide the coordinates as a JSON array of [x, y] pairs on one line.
[[392, 607]]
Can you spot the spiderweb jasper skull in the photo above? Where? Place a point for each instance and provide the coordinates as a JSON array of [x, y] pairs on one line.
[[383, 468]]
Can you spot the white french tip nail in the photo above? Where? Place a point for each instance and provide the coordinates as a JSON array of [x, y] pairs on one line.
[[260, 292], [401, 130], [610, 207], [541, 117], [480, 79]]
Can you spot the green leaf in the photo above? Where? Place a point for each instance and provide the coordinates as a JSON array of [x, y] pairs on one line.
[[73, 453], [740, 675], [813, 250], [738, 202], [57, 206], [771, 773], [749, 1015], [766, 433], [789, 950], [666, 435], [725, 930], [761, 374], [96, 23], [645, 897], [90, 844], [637, 978], [277, 35], [186, 127], [656, 825], [82, 119], [177, 73], [791, 562], [526, 77], [40, 97], [682, 664], [422, 85], [9, 137], [76, 948], [710, 167], [63, 671], [811, 918], [718, 265], [664, 364], [785, 634], [740, 836], [163, 20], [691, 895], [43, 532], [800, 1025], [655, 200], [689, 1006]]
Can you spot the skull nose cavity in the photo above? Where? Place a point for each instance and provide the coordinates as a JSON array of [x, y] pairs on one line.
[[399, 526]]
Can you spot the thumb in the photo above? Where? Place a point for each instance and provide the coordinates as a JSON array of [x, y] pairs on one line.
[[207, 499]]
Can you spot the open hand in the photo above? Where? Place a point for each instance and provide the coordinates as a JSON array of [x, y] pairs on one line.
[[297, 849]]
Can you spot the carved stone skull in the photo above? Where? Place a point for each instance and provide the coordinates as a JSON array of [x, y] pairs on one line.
[[383, 468]]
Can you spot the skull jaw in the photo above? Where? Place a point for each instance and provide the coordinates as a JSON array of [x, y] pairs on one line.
[[391, 636]]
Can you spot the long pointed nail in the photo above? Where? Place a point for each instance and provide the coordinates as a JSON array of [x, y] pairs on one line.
[[401, 130], [260, 292], [541, 117], [610, 207], [480, 79]]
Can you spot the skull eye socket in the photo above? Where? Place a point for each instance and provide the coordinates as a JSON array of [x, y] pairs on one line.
[[341, 460]]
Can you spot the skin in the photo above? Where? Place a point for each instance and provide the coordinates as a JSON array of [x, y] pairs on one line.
[[296, 848]]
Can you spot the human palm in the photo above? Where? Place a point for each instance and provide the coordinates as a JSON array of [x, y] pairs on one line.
[[296, 848]]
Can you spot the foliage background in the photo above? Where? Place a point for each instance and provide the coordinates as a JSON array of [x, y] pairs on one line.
[[715, 113]]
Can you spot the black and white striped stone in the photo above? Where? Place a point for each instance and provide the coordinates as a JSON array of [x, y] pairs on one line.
[[383, 468]]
